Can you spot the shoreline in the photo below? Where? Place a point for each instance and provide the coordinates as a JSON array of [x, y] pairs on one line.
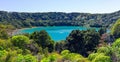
[[13, 32]]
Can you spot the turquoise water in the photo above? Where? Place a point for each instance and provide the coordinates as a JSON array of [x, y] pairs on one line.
[[57, 33]]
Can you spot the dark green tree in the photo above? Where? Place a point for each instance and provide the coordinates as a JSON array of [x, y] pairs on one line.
[[60, 46], [91, 39], [82, 41], [43, 40], [102, 31], [75, 42]]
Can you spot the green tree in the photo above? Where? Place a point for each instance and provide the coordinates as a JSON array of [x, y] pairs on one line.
[[82, 41], [91, 39], [20, 41], [75, 42], [43, 39], [59, 46]]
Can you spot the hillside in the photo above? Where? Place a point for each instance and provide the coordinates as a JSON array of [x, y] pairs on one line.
[[23, 19]]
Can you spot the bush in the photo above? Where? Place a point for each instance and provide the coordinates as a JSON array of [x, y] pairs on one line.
[[73, 56], [99, 57], [105, 50], [65, 52], [26, 58], [5, 44], [102, 58], [92, 56], [53, 57], [3, 55]]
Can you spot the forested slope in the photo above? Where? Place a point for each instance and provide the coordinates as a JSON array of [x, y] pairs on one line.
[[24, 19]]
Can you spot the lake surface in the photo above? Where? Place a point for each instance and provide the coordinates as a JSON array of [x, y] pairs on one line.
[[57, 33]]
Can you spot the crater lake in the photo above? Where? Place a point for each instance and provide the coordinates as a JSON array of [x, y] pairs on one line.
[[57, 33]]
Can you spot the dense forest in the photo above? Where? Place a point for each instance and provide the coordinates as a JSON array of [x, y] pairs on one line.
[[80, 46], [23, 19]]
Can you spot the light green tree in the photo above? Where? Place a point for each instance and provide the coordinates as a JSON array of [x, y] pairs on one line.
[[20, 41]]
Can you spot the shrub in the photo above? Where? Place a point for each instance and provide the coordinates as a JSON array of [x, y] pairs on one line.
[[105, 50], [99, 57], [26, 58]]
